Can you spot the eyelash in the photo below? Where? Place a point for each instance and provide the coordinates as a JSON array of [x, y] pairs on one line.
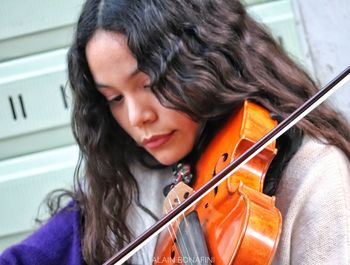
[[118, 98]]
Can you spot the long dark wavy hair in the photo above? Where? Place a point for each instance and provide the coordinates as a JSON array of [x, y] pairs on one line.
[[204, 58]]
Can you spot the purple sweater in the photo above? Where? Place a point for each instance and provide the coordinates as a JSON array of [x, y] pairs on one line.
[[56, 242]]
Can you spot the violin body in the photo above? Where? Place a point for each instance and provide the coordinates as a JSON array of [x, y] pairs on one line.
[[241, 225]]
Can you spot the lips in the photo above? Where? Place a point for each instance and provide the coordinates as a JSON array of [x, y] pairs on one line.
[[156, 140]]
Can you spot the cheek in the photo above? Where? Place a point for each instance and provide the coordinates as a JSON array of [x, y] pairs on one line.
[[187, 124], [189, 131], [121, 119]]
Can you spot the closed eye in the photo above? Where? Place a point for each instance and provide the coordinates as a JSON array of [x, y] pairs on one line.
[[115, 99]]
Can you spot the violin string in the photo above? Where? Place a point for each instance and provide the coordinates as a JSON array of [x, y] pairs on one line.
[[178, 225], [190, 238], [182, 172], [170, 227]]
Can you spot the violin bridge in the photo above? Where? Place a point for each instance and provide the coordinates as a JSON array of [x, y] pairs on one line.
[[179, 193]]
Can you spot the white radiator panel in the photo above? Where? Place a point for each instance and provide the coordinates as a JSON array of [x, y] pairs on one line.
[[29, 27], [279, 19], [34, 98], [24, 183]]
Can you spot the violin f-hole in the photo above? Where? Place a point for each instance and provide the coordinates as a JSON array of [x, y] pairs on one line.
[[220, 165]]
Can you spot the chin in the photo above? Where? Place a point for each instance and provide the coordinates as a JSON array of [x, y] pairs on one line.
[[167, 160], [169, 157]]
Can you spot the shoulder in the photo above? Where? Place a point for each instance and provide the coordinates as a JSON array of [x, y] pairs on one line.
[[314, 199], [315, 166], [56, 242]]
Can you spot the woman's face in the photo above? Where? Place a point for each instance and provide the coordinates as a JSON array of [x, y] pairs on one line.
[[168, 135]]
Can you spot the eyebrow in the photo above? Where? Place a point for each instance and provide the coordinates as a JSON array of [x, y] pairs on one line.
[[101, 85]]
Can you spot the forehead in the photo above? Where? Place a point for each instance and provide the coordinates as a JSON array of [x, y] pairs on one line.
[[109, 56], [105, 44], [108, 36]]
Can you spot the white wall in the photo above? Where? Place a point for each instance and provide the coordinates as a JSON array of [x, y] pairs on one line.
[[324, 27]]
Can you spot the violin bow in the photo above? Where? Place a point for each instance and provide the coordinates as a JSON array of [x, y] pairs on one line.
[[129, 250]]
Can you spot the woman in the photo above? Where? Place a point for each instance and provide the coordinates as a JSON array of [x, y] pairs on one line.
[[151, 80]]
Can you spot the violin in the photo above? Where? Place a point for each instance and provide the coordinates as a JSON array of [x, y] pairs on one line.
[[242, 190], [235, 223]]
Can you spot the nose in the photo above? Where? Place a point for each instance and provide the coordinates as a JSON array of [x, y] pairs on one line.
[[141, 112]]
